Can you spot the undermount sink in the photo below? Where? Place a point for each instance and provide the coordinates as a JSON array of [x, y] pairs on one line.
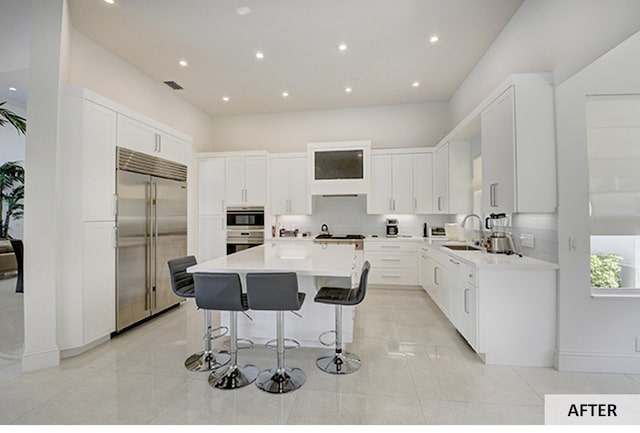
[[462, 247]]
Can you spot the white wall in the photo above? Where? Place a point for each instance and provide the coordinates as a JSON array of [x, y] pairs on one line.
[[558, 36], [403, 125], [93, 67], [594, 334]]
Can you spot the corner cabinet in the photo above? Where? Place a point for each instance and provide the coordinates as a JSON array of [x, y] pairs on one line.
[[289, 193], [452, 178], [246, 179], [393, 262], [518, 149], [401, 182]]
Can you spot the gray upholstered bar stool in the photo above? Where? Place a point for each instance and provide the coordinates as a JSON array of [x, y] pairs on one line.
[[340, 362], [223, 292], [182, 285], [277, 292]]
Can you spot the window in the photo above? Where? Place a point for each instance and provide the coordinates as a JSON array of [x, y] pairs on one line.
[[613, 138]]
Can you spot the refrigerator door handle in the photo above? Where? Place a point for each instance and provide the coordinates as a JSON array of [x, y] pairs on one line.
[[148, 237], [154, 236]]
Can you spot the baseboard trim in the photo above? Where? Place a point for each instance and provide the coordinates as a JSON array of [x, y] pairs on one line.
[[627, 363], [40, 359], [68, 353]]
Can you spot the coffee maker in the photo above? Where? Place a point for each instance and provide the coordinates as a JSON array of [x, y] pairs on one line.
[[392, 227], [499, 241]]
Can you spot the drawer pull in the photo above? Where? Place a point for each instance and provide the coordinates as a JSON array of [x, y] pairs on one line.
[[389, 246], [390, 260], [390, 276]]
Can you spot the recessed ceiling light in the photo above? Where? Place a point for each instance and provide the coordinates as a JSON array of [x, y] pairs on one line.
[[348, 89], [434, 39], [183, 63], [285, 94], [342, 47], [244, 10], [109, 1], [416, 84], [259, 55], [13, 89], [225, 98]]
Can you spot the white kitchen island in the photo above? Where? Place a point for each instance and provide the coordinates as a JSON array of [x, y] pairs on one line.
[[316, 265]]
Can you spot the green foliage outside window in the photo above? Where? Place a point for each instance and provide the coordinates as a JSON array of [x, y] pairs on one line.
[[605, 271]]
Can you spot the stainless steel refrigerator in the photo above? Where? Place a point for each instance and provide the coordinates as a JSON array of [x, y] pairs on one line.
[[151, 229]]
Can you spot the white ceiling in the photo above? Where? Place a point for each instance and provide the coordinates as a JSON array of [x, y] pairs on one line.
[[388, 48]]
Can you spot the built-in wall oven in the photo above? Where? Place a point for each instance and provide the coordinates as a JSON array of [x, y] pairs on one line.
[[245, 228]]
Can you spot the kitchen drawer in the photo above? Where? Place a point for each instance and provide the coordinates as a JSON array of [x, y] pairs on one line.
[[390, 246], [392, 260], [406, 277]]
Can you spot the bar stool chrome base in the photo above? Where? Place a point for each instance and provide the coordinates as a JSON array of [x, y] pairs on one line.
[[339, 363], [206, 362], [233, 376], [280, 381]]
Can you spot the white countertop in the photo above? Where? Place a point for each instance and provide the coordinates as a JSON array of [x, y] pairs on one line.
[[306, 259], [483, 259]]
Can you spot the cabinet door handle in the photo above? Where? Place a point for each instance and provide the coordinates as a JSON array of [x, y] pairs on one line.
[[435, 276], [492, 195], [390, 204], [466, 301], [439, 202], [115, 237], [454, 262], [415, 203]]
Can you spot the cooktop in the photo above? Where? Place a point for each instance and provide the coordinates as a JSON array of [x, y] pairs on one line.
[[328, 236]]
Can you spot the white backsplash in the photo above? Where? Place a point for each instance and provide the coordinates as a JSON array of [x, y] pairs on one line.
[[348, 215], [544, 228]]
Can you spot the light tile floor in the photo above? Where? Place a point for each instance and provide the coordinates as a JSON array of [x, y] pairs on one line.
[[416, 370]]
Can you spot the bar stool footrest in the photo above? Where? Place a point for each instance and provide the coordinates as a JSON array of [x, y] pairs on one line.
[[273, 344], [242, 343]]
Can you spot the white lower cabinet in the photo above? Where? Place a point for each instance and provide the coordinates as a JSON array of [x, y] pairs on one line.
[[98, 280], [212, 237], [392, 262], [507, 315], [463, 289]]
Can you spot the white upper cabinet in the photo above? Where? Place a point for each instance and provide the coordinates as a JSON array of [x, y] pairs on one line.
[[211, 186], [423, 183], [452, 178], [246, 178], [98, 162], [289, 193], [139, 136], [518, 150], [401, 183]]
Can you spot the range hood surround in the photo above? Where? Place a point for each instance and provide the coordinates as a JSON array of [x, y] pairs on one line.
[[339, 168]]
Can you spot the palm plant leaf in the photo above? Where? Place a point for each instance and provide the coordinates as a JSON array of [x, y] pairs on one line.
[[7, 116]]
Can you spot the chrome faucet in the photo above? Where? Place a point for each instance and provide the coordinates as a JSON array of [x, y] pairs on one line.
[[469, 216], [464, 220]]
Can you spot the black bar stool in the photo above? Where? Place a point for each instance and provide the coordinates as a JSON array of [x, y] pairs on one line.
[[277, 292], [182, 285], [340, 362], [223, 292]]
